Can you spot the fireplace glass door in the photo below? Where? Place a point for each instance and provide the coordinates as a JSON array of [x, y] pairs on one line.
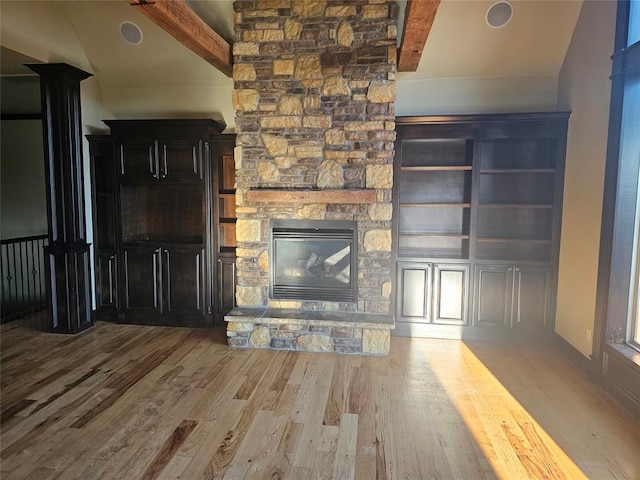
[[313, 260]]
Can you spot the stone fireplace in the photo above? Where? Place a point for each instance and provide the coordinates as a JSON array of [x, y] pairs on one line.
[[314, 86]]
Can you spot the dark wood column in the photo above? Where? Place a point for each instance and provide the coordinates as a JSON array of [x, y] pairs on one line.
[[68, 250]]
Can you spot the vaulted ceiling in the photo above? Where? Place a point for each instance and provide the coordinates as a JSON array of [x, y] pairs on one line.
[[460, 44]]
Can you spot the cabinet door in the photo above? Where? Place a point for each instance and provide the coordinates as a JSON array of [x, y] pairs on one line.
[[104, 221], [532, 297], [103, 187], [493, 295], [450, 294], [142, 280], [139, 160], [181, 161], [226, 284], [414, 292], [106, 281], [185, 280]]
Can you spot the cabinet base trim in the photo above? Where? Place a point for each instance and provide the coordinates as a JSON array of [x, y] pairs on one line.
[[456, 332]]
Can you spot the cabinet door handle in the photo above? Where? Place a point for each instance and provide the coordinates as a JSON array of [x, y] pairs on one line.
[[163, 163], [153, 167], [167, 279]]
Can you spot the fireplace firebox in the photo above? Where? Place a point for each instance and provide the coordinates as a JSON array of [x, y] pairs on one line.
[[313, 260]]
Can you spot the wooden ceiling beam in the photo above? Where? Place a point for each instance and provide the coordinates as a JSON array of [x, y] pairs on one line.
[[177, 19], [419, 16]]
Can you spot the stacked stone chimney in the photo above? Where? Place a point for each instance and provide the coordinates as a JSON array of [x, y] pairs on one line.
[[314, 86]]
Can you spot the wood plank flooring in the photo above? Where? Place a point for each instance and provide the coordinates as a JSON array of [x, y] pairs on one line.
[[133, 402]]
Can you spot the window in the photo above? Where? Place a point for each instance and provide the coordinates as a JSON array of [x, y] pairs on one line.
[[618, 310], [634, 295], [620, 243], [630, 154], [633, 33]]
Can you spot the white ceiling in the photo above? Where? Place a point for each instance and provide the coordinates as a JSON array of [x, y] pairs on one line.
[[533, 42], [460, 45], [158, 61], [19, 87], [218, 14]]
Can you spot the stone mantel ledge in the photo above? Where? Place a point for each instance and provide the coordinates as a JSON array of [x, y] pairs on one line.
[[281, 316], [284, 195]]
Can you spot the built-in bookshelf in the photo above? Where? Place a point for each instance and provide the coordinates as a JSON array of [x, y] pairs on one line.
[[516, 198], [435, 197], [477, 215], [227, 203]]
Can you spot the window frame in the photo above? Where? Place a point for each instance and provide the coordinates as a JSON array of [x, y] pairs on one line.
[[617, 359], [633, 20], [633, 320], [633, 333]]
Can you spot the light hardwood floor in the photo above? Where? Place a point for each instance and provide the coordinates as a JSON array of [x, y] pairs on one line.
[[134, 402]]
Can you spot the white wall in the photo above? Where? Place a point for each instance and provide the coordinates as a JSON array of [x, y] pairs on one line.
[[23, 200], [176, 102], [584, 88], [475, 95]]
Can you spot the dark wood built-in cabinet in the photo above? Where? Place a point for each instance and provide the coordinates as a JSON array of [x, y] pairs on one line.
[[478, 202], [433, 293], [157, 222], [512, 296]]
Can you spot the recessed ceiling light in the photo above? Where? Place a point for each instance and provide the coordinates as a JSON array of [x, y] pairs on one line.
[[131, 33], [499, 14]]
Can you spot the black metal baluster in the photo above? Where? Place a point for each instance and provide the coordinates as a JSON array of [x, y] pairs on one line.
[[24, 305], [31, 283], [23, 288], [4, 263], [15, 279]]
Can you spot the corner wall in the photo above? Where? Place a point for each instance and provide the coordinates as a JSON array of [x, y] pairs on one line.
[[584, 89]]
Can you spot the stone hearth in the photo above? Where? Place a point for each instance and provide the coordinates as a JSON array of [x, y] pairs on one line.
[[314, 86], [283, 329]]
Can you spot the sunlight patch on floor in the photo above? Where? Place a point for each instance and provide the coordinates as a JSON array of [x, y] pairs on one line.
[[510, 438]]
